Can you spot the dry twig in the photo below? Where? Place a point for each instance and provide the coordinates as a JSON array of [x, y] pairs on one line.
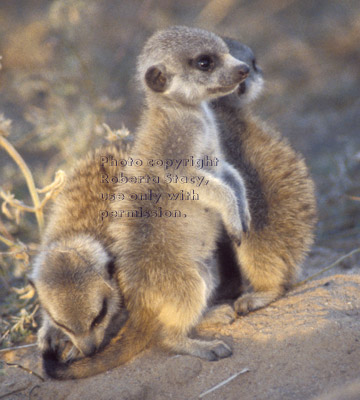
[[334, 264], [8, 242], [24, 346], [226, 381], [25, 318], [25, 369], [51, 192], [115, 135], [4, 232], [26, 292], [9, 199], [25, 170]]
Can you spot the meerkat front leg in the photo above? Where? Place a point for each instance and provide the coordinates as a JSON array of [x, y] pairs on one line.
[[218, 195], [210, 351], [221, 197], [235, 181]]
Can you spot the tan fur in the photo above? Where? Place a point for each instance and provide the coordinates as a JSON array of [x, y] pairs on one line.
[[280, 194], [166, 265], [168, 272], [72, 271]]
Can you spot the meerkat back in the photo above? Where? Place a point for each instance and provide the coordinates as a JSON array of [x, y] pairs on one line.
[[279, 190]]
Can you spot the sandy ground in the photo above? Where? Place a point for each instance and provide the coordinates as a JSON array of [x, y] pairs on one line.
[[305, 345]]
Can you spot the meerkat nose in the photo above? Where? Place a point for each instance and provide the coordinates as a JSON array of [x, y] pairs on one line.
[[242, 71]]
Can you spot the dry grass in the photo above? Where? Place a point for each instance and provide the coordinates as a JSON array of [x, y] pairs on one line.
[[17, 325]]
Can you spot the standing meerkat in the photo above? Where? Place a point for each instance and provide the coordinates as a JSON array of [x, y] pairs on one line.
[[280, 194], [74, 272], [166, 264]]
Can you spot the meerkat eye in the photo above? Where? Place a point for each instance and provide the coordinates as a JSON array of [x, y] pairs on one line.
[[64, 327], [97, 320], [204, 63]]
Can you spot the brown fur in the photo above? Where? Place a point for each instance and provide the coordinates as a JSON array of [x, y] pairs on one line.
[[166, 265], [280, 194], [282, 205], [74, 273], [168, 273]]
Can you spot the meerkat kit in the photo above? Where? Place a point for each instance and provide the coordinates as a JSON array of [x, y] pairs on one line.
[[140, 278], [74, 272], [279, 190]]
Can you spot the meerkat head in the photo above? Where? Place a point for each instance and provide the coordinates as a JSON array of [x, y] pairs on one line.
[[77, 288], [189, 65], [249, 89]]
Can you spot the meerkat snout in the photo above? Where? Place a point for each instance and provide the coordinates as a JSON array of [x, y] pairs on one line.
[[234, 72], [242, 71], [250, 88]]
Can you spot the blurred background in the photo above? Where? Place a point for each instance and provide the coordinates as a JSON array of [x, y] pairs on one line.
[[68, 67]]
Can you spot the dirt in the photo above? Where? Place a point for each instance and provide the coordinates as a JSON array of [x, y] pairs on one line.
[[302, 346]]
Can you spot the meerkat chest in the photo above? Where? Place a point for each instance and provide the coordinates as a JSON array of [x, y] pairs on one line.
[[211, 143]]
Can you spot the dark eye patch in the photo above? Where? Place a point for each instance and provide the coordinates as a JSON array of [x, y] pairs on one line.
[[97, 320], [58, 323], [64, 327], [204, 62]]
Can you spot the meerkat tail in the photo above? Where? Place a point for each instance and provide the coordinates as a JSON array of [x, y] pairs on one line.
[[130, 341]]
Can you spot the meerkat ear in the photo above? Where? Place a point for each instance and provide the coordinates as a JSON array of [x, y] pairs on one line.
[[156, 78]]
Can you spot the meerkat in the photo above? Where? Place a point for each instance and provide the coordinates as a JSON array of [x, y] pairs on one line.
[[166, 264], [280, 194], [74, 273]]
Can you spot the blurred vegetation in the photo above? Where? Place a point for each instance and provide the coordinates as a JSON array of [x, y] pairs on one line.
[[67, 69]]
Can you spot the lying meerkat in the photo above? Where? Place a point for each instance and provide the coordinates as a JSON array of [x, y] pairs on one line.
[[166, 264], [74, 272], [280, 194]]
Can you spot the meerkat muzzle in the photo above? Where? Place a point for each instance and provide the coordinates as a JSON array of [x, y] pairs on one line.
[[242, 72]]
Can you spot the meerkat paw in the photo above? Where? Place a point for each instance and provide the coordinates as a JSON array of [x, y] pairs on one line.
[[48, 338], [235, 230], [51, 339], [244, 212], [253, 301], [70, 352], [245, 219], [219, 315], [211, 351], [214, 351]]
